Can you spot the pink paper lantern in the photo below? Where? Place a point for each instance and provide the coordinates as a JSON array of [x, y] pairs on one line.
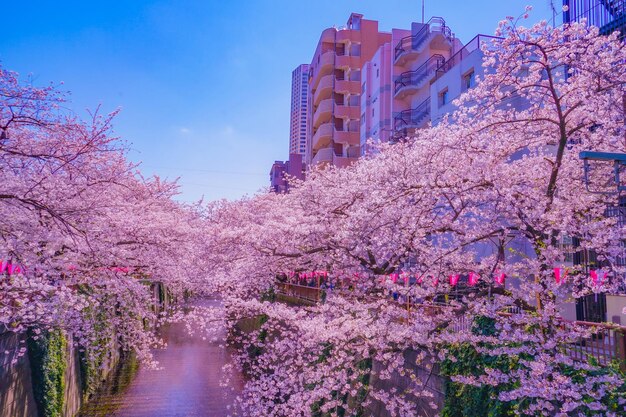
[[560, 275], [473, 279], [454, 279]]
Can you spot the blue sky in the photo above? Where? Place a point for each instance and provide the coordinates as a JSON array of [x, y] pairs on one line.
[[203, 86]]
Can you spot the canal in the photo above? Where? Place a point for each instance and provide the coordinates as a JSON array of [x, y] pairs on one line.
[[187, 385]]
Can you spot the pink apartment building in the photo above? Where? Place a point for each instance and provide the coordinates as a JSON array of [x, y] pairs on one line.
[[335, 90]]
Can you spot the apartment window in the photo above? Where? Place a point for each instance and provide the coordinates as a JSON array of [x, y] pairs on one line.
[[363, 88], [469, 80], [443, 97], [377, 72], [373, 111]]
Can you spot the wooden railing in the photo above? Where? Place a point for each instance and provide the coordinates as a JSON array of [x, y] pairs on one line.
[[300, 292]]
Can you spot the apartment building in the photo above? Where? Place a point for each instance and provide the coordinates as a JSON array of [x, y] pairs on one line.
[[335, 90], [281, 172], [608, 16], [416, 59], [299, 105], [458, 74]]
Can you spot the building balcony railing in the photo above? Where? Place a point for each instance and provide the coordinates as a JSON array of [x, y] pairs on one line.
[[346, 86], [475, 44], [415, 78], [350, 137], [415, 41], [323, 112], [608, 15], [322, 136], [348, 61], [412, 118], [348, 112], [325, 155], [324, 89]]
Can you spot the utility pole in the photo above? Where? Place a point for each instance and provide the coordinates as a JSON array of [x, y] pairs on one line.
[[423, 11]]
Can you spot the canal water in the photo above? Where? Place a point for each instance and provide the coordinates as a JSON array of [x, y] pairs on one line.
[[188, 385]]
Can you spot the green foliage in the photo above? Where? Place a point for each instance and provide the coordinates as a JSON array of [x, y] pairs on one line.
[[93, 357], [48, 360], [482, 401], [269, 295], [469, 401]]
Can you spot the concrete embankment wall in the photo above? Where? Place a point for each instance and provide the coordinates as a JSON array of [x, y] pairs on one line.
[[17, 379], [426, 377]]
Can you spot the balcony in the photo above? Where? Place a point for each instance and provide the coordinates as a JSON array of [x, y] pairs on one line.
[[348, 61], [345, 86], [323, 156], [353, 36], [324, 89], [413, 118], [410, 81], [323, 112], [348, 112], [409, 47], [327, 59], [348, 137], [328, 35], [323, 136]]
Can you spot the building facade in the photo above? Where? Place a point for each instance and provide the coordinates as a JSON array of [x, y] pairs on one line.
[[299, 104], [416, 58], [281, 172], [335, 91]]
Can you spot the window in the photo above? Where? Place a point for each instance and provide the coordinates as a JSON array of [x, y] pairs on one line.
[[443, 98], [373, 112], [469, 80], [377, 72]]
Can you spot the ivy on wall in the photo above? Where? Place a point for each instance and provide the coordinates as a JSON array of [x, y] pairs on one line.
[[463, 400], [48, 354]]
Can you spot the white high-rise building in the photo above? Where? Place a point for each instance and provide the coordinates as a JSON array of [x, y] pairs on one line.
[[299, 105]]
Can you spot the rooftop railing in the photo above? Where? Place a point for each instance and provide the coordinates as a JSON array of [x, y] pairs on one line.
[[473, 45], [414, 41]]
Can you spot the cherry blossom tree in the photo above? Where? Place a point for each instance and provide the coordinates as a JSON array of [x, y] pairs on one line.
[[81, 232], [488, 194]]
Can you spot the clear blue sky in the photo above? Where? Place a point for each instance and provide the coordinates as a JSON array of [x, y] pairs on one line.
[[204, 86]]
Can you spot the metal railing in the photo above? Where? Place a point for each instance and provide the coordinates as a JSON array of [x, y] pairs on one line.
[[414, 41], [471, 46], [608, 15], [415, 77], [606, 343], [412, 117]]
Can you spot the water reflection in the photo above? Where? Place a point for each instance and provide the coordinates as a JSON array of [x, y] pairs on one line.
[[189, 384]]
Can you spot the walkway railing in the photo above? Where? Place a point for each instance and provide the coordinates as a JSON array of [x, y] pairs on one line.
[[606, 342]]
